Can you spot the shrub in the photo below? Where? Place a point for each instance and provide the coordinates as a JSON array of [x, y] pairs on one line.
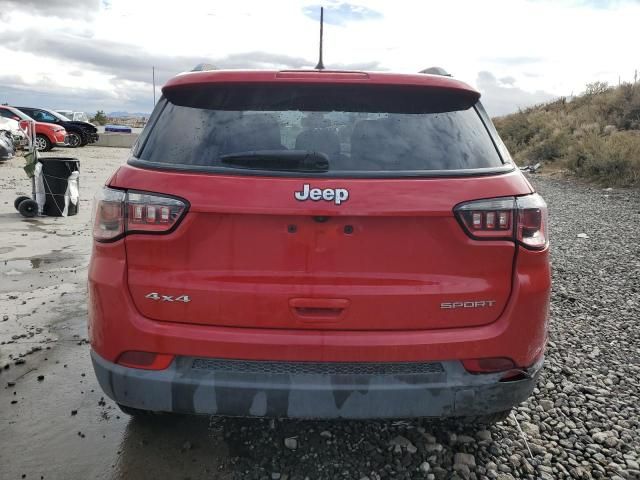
[[596, 88], [551, 147], [516, 130], [612, 159], [597, 134], [100, 118], [625, 112]]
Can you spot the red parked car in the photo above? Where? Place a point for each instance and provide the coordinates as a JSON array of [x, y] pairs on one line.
[[319, 244], [48, 135]]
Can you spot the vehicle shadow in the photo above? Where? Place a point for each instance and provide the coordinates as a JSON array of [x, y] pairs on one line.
[[173, 446]]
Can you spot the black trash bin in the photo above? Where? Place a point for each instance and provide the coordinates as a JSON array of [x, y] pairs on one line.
[[55, 174]]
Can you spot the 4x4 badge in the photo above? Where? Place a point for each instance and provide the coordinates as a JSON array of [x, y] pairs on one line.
[[167, 298], [336, 195]]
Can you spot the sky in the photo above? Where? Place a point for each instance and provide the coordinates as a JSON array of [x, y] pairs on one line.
[[98, 54]]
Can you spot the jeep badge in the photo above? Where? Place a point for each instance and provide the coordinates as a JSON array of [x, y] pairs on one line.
[[336, 195]]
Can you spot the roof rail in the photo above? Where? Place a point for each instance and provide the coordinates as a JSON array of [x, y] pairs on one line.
[[436, 71]]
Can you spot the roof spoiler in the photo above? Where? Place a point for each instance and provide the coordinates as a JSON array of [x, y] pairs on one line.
[[436, 71]]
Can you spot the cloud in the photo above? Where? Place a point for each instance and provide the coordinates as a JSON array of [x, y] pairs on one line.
[[125, 68], [128, 62], [341, 13], [364, 66], [47, 94], [500, 98], [514, 61], [114, 58], [597, 4], [83, 9], [264, 60], [508, 80], [11, 80], [127, 95], [112, 44]]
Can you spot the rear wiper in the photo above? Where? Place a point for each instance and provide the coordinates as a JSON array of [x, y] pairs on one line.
[[284, 160]]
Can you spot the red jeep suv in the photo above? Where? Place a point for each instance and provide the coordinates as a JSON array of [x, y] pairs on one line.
[[319, 244]]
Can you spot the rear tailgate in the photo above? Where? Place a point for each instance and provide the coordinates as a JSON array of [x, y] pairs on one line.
[[248, 254]]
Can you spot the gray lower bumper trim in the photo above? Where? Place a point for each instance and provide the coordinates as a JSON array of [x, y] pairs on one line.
[[440, 392]]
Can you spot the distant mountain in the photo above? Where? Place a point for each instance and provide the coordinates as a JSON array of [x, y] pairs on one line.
[[127, 114]]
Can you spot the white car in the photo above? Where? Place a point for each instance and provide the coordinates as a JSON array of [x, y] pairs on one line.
[[74, 116], [19, 135]]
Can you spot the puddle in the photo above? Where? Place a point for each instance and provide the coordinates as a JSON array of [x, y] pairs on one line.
[[13, 272], [21, 265]]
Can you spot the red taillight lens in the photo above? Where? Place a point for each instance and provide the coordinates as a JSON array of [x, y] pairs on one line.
[[108, 214], [117, 213], [521, 218], [145, 360], [532, 221]]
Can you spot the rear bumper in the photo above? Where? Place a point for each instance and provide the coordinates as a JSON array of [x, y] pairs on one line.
[[312, 390]]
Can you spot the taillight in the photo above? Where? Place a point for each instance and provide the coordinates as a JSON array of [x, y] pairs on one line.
[[532, 221], [108, 214], [510, 218], [488, 218], [152, 213], [118, 212]]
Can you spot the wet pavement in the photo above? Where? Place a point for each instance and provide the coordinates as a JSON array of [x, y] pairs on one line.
[[55, 422]]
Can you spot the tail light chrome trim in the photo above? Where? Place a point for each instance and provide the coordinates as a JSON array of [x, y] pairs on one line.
[[117, 213], [522, 219]]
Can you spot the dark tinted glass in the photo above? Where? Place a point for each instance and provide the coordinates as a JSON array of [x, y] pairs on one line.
[[358, 140], [43, 116]]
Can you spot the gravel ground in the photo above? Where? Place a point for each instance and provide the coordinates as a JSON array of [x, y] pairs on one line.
[[583, 420]]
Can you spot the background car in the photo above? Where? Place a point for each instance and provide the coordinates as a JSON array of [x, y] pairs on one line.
[[75, 116], [80, 133], [48, 135], [7, 148], [13, 126]]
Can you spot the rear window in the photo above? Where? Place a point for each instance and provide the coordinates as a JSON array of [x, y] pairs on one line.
[[357, 130]]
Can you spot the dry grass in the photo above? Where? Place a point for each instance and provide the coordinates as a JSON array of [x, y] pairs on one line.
[[613, 158], [597, 134]]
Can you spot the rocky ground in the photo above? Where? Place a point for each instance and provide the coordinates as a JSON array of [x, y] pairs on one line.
[[583, 420]]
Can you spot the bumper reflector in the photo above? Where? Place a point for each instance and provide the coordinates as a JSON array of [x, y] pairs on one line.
[[145, 360], [488, 365]]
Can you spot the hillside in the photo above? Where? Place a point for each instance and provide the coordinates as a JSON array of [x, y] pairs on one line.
[[595, 135]]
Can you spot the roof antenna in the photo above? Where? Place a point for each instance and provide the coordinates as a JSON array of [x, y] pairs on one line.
[[320, 65]]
